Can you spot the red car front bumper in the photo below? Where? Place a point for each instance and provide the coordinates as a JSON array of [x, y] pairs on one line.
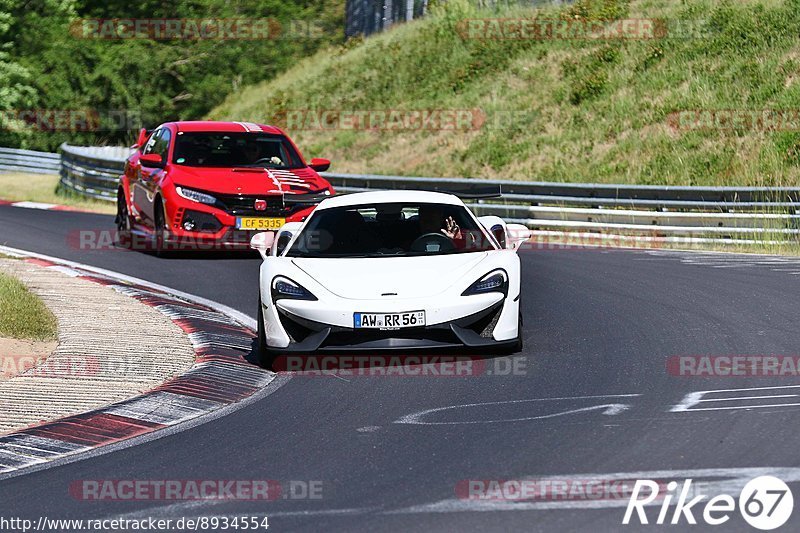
[[213, 228]]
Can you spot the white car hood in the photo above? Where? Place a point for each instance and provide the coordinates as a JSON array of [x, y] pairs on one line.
[[378, 278]]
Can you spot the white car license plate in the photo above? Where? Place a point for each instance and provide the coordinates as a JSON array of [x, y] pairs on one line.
[[408, 319]]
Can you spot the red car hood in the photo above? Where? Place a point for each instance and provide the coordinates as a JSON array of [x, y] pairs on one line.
[[248, 180]]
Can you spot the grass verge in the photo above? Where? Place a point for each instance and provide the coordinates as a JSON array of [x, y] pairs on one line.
[[24, 187], [22, 314], [566, 110]]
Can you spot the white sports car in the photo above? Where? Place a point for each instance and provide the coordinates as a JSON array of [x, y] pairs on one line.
[[390, 270]]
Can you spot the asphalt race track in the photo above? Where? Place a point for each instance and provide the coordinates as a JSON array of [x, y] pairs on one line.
[[592, 398]]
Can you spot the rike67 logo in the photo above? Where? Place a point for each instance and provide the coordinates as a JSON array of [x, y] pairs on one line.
[[765, 503]]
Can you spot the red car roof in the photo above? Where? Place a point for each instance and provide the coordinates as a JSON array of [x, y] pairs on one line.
[[211, 125]]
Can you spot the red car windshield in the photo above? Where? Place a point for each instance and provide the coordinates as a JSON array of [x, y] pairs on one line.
[[212, 149]]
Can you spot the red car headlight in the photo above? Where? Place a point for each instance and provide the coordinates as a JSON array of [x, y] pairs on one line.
[[195, 196]]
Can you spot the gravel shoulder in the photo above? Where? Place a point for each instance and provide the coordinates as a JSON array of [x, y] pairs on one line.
[[110, 347]]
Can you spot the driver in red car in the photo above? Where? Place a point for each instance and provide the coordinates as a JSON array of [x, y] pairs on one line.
[[251, 152], [253, 155]]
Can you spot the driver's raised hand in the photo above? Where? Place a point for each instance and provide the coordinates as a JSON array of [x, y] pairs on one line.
[[451, 228]]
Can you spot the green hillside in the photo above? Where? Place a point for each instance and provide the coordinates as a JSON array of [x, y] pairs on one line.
[[605, 110]]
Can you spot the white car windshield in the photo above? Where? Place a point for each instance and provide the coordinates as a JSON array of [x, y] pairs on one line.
[[390, 230]]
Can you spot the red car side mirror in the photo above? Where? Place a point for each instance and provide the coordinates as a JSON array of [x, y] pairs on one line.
[[152, 161], [320, 165], [142, 138]]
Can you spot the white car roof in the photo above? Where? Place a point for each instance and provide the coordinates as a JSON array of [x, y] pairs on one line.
[[384, 197]]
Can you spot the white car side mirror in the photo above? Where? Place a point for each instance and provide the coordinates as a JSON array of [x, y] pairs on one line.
[[262, 242], [496, 226], [516, 236]]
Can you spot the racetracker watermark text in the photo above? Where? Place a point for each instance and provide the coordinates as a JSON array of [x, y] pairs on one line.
[[399, 365], [195, 489], [113, 240], [198, 29], [70, 120], [63, 366], [380, 119], [545, 490], [734, 366], [578, 29]]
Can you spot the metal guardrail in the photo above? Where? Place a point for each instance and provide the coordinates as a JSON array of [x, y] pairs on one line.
[[17, 160], [93, 171], [727, 214], [722, 214], [593, 194]]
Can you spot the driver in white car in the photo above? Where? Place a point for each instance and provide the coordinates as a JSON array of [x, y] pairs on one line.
[[433, 220]]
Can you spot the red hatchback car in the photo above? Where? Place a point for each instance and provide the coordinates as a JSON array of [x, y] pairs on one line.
[[210, 185]]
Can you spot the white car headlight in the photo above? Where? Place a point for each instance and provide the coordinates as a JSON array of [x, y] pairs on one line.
[[286, 288], [495, 281]]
